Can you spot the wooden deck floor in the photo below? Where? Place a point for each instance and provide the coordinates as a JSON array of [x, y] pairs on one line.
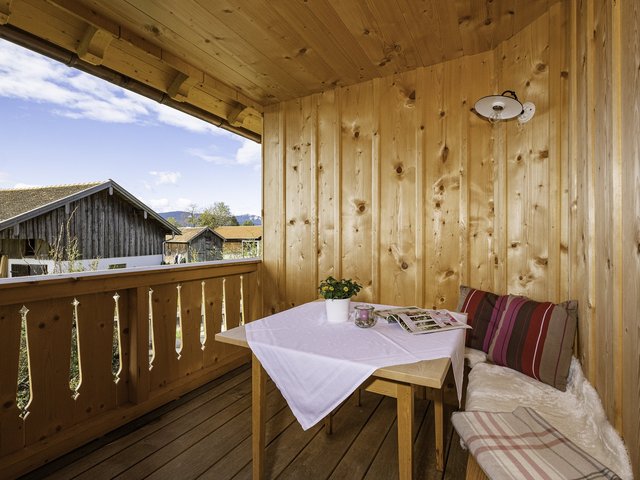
[[207, 435]]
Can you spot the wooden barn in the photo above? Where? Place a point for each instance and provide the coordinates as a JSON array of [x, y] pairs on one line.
[[193, 244], [380, 165], [240, 241], [98, 220]]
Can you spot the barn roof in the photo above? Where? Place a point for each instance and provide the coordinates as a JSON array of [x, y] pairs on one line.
[[21, 204], [240, 232], [188, 234]]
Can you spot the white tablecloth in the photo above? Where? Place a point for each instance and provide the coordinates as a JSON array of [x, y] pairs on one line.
[[317, 365]]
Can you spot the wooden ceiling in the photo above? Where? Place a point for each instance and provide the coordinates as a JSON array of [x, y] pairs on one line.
[[232, 57]]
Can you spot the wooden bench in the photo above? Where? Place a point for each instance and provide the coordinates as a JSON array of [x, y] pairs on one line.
[[577, 412]]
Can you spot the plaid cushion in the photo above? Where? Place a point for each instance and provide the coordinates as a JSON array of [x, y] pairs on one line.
[[524, 445], [483, 311], [536, 338]]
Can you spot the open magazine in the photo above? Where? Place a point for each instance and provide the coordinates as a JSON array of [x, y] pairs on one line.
[[417, 320]]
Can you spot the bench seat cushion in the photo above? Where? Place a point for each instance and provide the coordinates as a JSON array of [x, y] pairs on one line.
[[522, 444], [577, 412]]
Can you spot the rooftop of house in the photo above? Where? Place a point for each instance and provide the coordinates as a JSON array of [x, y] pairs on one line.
[[21, 204], [18, 201], [242, 232], [188, 234]]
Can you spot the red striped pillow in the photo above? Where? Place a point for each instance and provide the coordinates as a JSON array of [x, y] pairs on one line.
[[483, 311], [536, 338]]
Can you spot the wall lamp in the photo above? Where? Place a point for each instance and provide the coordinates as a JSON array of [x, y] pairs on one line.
[[504, 107]]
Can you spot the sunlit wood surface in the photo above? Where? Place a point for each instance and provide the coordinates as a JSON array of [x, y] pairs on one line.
[[207, 434]]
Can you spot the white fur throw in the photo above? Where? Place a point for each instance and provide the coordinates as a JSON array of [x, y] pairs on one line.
[[577, 413]]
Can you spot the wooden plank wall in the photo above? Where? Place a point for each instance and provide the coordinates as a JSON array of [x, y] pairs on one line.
[[396, 183], [605, 204]]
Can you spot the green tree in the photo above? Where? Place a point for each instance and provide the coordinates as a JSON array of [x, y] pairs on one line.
[[248, 223], [173, 221], [217, 215]]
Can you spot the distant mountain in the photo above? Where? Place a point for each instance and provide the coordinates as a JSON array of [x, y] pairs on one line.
[[181, 218], [254, 218]]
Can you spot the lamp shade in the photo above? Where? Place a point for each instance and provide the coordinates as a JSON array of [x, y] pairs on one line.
[[499, 107]]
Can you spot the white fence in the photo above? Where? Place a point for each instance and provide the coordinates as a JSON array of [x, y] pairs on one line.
[[40, 266]]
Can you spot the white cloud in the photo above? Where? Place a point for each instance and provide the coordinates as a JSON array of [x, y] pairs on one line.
[[183, 203], [164, 178], [158, 204], [74, 94], [249, 153]]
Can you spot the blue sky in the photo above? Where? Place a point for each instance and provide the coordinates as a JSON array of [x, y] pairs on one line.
[[59, 125]]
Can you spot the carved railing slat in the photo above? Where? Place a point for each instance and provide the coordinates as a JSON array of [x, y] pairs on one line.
[[11, 426], [165, 364], [97, 391], [49, 333], [191, 308], [213, 294]]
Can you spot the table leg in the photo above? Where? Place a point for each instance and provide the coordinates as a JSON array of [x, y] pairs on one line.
[[438, 401], [258, 398], [405, 430]]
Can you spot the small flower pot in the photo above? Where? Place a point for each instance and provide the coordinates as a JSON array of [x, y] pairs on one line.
[[337, 310]]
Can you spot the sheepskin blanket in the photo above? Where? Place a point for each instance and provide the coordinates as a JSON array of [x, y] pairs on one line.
[[577, 413]]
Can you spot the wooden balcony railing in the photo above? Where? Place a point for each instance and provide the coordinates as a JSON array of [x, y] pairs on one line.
[[83, 354]]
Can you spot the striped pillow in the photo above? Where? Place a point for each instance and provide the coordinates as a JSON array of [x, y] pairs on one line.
[[536, 338], [483, 311]]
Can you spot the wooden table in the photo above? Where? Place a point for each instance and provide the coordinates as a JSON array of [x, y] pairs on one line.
[[399, 381]]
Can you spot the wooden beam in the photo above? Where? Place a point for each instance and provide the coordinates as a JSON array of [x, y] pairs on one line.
[[93, 18], [237, 115], [181, 85], [5, 11], [93, 45]]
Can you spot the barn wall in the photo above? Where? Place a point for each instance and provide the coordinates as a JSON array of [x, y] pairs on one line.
[[397, 184], [105, 226]]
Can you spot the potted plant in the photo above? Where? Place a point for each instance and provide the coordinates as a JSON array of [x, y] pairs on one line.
[[337, 295]]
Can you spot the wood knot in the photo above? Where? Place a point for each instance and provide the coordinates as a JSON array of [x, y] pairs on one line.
[[125, 331], [7, 405], [56, 318], [487, 21], [361, 207], [42, 325], [519, 158], [541, 67], [404, 265], [437, 204], [421, 127], [356, 134], [564, 74], [307, 222], [399, 169], [445, 154], [292, 222], [442, 114], [302, 51], [543, 154]]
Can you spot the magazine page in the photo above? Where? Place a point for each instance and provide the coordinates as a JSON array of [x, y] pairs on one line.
[[417, 320]]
